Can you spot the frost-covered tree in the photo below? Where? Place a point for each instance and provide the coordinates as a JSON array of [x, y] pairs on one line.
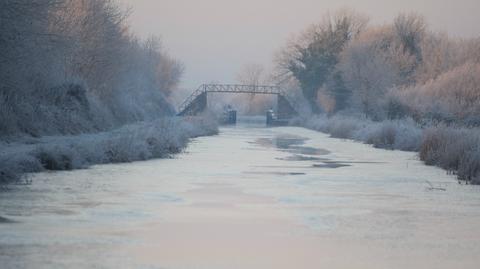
[[253, 74], [71, 66], [311, 58], [371, 65], [397, 70], [410, 31], [452, 97]]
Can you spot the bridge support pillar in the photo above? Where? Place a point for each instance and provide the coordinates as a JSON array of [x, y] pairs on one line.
[[201, 102], [284, 108], [198, 105]]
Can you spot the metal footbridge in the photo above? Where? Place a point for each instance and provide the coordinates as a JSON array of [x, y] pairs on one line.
[[196, 103]]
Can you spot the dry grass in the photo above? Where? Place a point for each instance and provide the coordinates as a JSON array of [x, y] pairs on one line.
[[454, 149]]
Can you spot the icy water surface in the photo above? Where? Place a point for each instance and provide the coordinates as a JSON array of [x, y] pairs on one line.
[[251, 197]]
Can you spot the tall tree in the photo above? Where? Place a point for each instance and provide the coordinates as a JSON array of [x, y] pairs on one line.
[[312, 57]]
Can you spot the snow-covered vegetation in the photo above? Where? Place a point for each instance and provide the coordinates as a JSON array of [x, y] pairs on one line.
[[73, 66], [402, 134], [78, 88], [455, 149], [139, 141], [398, 86]]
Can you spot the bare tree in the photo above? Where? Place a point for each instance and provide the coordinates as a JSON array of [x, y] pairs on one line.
[[251, 74], [312, 57], [410, 32], [254, 75]]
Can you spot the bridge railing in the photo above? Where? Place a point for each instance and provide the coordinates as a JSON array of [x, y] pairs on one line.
[[239, 88]]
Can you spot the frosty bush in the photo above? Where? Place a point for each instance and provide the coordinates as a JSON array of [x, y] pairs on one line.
[[452, 97], [337, 126], [469, 166], [451, 148], [398, 134], [455, 149], [140, 141]]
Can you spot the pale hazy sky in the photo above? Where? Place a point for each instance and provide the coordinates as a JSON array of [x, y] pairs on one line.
[[215, 38]]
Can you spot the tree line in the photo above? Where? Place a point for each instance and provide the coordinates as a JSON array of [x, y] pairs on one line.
[[72, 66], [345, 65]]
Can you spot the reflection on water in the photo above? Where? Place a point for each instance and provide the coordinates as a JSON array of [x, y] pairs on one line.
[[330, 165], [276, 173], [252, 197], [297, 157], [291, 144], [5, 220]]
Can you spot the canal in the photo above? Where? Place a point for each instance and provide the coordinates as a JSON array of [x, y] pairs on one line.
[[251, 197]]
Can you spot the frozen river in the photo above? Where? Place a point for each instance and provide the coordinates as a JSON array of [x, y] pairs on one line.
[[251, 197]]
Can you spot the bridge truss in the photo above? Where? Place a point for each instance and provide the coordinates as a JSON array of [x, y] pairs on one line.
[[196, 102]]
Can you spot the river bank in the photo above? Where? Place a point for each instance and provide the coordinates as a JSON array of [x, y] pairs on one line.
[[453, 148], [139, 141]]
